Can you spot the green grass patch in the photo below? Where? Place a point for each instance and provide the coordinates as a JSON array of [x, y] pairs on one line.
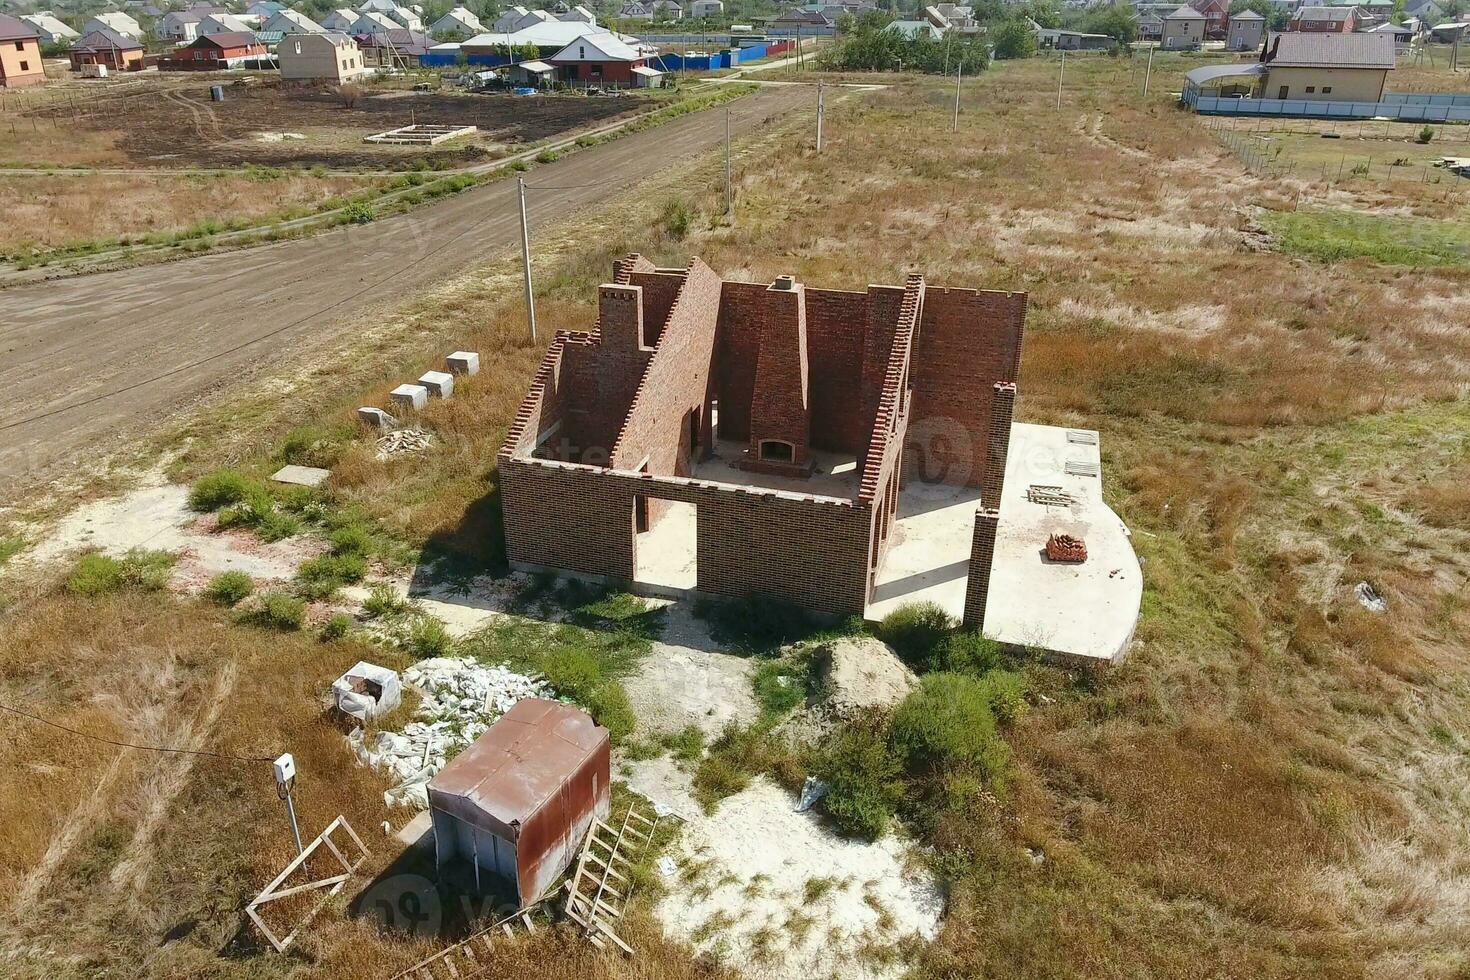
[[10, 546], [276, 611], [1329, 236], [229, 588], [138, 570]]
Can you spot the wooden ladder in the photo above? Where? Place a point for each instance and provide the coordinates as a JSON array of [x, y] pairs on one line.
[[459, 962], [598, 892]]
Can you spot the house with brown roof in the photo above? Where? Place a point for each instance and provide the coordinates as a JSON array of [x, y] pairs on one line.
[[1324, 20], [20, 54], [118, 52], [1327, 67]]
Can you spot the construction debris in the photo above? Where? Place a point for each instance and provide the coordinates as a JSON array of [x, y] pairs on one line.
[[410, 396], [462, 362], [1371, 599], [366, 691], [329, 886], [460, 699], [439, 383], [403, 441], [598, 892], [376, 418], [301, 476], [1064, 547]]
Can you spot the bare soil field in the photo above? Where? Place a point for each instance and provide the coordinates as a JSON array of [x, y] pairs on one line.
[[45, 212], [168, 121]]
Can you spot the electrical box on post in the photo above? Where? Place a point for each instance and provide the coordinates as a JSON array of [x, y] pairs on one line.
[[285, 768]]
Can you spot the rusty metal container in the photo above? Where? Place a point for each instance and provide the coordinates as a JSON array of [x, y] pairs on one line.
[[518, 802]]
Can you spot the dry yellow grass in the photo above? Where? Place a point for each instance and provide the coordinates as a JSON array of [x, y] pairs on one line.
[[44, 212], [1274, 785]]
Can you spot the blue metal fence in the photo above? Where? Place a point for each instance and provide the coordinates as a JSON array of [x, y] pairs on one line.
[[1452, 108]]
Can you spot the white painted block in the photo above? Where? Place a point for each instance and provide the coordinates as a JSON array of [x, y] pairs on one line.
[[440, 383], [411, 396], [376, 418], [463, 362]]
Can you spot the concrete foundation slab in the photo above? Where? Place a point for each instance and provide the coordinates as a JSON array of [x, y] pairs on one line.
[[411, 396], [462, 362], [666, 555], [440, 383], [928, 557], [301, 476], [833, 474]]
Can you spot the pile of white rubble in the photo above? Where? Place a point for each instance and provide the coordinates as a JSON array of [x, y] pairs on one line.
[[460, 699]]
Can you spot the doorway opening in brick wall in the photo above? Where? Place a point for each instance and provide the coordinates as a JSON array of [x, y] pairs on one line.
[[665, 543]]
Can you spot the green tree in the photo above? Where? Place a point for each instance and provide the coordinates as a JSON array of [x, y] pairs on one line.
[[1014, 39], [1118, 23]]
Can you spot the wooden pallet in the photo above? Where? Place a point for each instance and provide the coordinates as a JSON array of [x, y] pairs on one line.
[[599, 890], [460, 962]]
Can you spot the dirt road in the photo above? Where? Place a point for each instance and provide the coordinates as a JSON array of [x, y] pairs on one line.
[[88, 364]]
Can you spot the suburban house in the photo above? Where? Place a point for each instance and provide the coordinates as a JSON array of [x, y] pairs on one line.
[[285, 22], [264, 9], [405, 18], [1052, 38], [1184, 29], [340, 19], [530, 18], [548, 38], [214, 52], [20, 54], [634, 11], [1217, 14], [49, 29], [1371, 13], [1324, 20], [114, 20], [601, 59], [579, 14], [1402, 36], [372, 22], [458, 21], [396, 48], [731, 439], [376, 6], [329, 57], [795, 19], [223, 24], [1333, 67], [1426, 11], [1150, 27], [179, 26], [118, 52], [506, 22], [666, 10], [911, 29], [706, 8], [1246, 31]]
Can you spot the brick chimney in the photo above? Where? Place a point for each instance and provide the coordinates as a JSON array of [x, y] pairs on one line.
[[780, 409], [620, 316]]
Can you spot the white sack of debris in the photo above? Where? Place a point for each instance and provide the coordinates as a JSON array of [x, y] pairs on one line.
[[366, 691], [460, 698]]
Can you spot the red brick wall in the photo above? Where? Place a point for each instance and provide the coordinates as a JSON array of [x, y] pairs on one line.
[[836, 333], [676, 382], [982, 556], [806, 551], [739, 343], [780, 408], [968, 340]]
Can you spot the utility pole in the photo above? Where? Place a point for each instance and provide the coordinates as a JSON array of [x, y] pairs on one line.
[[820, 107], [285, 770], [959, 74], [526, 257], [729, 185], [1061, 73], [1149, 71]]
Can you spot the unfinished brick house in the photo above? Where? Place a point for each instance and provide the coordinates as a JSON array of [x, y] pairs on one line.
[[736, 438]]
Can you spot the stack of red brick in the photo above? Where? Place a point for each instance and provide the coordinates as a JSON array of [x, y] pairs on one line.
[[1064, 547]]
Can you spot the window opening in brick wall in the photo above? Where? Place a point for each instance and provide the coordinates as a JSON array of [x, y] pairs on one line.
[[776, 451]]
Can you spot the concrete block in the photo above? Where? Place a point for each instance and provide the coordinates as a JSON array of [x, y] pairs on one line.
[[412, 397], [376, 418], [462, 362], [440, 383], [301, 476]]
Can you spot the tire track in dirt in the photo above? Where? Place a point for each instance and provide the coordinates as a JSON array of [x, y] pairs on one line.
[[1090, 129], [80, 821]]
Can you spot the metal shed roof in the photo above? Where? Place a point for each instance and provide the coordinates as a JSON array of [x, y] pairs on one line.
[[1211, 72], [520, 763]]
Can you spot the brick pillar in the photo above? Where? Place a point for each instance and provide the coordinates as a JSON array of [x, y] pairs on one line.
[[982, 556], [997, 444], [620, 317]]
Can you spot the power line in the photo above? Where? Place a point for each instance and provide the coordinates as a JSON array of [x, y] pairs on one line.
[[133, 745]]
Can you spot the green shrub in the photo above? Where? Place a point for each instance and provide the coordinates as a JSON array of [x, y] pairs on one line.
[[277, 526], [310, 446], [359, 213], [214, 490], [686, 745], [229, 588], [1426, 134], [321, 576], [676, 219], [948, 722], [918, 632], [138, 570], [1006, 692], [548, 156], [573, 671], [382, 600], [276, 610], [338, 626], [352, 539], [1014, 39], [969, 652], [864, 777], [428, 638], [734, 758], [608, 704], [780, 685], [755, 623]]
